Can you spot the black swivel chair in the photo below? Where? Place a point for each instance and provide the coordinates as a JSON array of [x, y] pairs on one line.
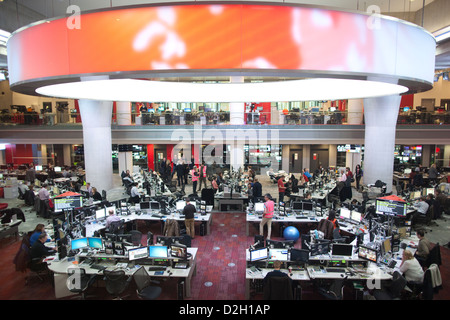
[[103, 195], [116, 227], [116, 282], [79, 281], [278, 288], [335, 291], [136, 237], [144, 288], [394, 291]]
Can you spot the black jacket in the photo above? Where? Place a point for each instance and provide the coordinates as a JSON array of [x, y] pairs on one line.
[[257, 190], [189, 211], [39, 250]]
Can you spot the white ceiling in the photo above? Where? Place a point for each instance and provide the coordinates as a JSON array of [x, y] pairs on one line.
[[52, 8]]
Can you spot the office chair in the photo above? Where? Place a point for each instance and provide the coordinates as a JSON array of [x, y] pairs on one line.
[[116, 227], [116, 282], [425, 219], [143, 283], [78, 281], [434, 257], [103, 195], [278, 288], [394, 291], [335, 291], [136, 237]]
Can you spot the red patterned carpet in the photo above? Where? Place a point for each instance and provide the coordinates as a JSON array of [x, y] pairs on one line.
[[220, 267]]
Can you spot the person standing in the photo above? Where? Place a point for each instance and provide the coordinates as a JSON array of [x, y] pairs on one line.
[[30, 174], [269, 206], [44, 198], [358, 175], [189, 218], [433, 173], [257, 189], [194, 177], [202, 176], [281, 189], [180, 174]]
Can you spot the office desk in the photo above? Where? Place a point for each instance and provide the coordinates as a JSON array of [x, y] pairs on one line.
[[97, 226], [59, 268], [253, 218]]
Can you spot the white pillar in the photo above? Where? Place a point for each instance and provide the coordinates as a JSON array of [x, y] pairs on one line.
[[285, 157], [355, 111], [332, 155], [43, 160], [380, 115], [306, 160], [446, 155], [67, 154], [237, 109], [123, 110], [96, 120], [236, 156]]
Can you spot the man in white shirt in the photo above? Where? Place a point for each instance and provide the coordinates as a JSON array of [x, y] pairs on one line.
[[422, 206], [111, 218], [135, 195], [44, 197]]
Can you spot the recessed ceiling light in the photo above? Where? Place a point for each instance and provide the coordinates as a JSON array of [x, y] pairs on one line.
[[164, 91]]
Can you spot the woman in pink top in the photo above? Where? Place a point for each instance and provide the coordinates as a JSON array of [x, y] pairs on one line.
[[267, 216]]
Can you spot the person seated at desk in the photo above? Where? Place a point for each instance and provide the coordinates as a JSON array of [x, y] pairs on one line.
[[423, 248], [111, 218], [411, 268], [39, 250], [40, 228], [214, 184], [308, 197], [276, 271], [135, 195], [418, 178], [96, 195]]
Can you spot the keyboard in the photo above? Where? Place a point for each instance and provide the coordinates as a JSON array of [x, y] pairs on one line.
[[338, 270], [97, 266], [157, 268], [301, 217]]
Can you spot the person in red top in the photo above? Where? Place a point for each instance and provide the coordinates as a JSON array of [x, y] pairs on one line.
[[281, 189], [269, 206]]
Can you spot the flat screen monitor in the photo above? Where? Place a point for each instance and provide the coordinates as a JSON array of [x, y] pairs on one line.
[[344, 213], [80, 243], [100, 214], [65, 203], [296, 205], [320, 248], [145, 205], [178, 250], [180, 205], [259, 207], [391, 207], [427, 191], [367, 253], [279, 244], [57, 169], [158, 252], [414, 195], [258, 254], [1, 176], [109, 246], [137, 253], [38, 168], [407, 171], [278, 254], [307, 206], [340, 249], [155, 205], [95, 243], [299, 255], [355, 216]]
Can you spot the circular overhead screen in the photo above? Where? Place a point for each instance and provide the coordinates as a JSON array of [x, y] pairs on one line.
[[216, 39]]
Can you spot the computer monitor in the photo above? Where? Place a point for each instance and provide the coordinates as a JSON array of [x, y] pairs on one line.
[[367, 253], [391, 207], [427, 191], [345, 213], [107, 209], [407, 171], [258, 254], [137, 253], [155, 205], [164, 240], [278, 244], [100, 214], [307, 206], [79, 243], [38, 168], [180, 205], [299, 255], [278, 254], [109, 246], [178, 250], [65, 203], [318, 248], [340, 249], [158, 252], [356, 216], [259, 207], [297, 205], [95, 243], [145, 205], [57, 169]]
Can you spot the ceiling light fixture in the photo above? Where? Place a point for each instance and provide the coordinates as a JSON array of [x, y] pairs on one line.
[[164, 91]]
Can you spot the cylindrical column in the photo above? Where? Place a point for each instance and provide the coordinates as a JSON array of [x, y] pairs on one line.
[[96, 119], [355, 111], [237, 109], [67, 154], [123, 109], [380, 115]]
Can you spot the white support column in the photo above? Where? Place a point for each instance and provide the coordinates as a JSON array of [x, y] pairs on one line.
[[285, 157], [96, 120], [67, 154], [237, 109], [306, 160], [355, 111], [332, 155], [446, 155], [380, 115], [123, 110]]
